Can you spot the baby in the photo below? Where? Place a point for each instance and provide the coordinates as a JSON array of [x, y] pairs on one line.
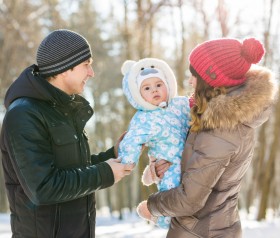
[[160, 123]]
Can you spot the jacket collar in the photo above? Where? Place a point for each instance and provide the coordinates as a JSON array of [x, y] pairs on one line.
[[31, 84], [242, 104]]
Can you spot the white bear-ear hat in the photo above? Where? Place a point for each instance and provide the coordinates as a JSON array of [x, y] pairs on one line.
[[132, 74]]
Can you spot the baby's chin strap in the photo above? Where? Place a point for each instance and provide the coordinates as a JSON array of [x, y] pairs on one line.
[[162, 104]]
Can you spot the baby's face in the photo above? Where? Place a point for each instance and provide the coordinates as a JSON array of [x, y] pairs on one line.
[[154, 91]]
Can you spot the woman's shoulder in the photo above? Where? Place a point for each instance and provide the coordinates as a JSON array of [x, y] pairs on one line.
[[220, 140]]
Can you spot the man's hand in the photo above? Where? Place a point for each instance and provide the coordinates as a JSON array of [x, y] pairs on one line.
[[161, 166], [119, 170]]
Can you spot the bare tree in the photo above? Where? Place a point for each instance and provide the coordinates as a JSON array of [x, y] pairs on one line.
[[267, 149], [181, 65], [223, 17], [18, 40]]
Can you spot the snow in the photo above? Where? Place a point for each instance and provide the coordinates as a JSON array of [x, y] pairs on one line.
[[133, 227]]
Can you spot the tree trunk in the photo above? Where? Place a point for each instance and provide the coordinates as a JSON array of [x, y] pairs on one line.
[[270, 166]]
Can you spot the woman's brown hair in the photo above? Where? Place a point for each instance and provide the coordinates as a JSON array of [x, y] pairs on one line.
[[202, 95]]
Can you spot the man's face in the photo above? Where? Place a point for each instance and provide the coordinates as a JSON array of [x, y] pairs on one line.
[[75, 79]]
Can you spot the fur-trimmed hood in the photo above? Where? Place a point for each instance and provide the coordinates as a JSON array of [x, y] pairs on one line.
[[244, 104]]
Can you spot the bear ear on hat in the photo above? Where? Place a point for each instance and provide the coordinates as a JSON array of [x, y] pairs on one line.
[[127, 66]]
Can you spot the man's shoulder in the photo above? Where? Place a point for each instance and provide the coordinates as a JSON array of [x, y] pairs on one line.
[[24, 102], [23, 106]]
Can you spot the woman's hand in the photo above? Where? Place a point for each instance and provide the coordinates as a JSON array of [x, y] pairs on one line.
[[161, 166]]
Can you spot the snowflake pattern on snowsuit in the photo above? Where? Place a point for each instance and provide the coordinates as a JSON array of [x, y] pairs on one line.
[[164, 132]]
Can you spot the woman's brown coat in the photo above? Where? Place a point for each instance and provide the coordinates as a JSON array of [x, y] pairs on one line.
[[215, 161]]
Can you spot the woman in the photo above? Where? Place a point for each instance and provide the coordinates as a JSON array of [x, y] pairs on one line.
[[231, 100]]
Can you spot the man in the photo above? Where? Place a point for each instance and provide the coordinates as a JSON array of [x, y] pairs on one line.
[[49, 172]]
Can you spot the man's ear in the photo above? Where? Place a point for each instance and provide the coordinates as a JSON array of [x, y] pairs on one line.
[[64, 74]]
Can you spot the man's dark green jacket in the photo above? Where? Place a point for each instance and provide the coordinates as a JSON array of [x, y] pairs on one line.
[[49, 172]]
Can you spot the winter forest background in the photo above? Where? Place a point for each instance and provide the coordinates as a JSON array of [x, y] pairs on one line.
[[132, 29]]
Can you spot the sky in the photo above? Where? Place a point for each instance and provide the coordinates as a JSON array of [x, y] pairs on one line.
[[134, 227]]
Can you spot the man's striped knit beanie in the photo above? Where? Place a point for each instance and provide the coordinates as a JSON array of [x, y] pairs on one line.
[[61, 50]]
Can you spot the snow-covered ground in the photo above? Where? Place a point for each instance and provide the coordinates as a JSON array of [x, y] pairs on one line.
[[133, 227]]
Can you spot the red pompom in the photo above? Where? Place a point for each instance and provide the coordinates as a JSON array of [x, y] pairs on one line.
[[252, 50]]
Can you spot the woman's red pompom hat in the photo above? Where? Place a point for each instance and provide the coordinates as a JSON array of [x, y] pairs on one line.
[[224, 62]]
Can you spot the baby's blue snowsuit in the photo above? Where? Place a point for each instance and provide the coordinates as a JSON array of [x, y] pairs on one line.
[[163, 131]]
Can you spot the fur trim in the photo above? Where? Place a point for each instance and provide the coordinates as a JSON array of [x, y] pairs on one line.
[[127, 66], [244, 103]]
